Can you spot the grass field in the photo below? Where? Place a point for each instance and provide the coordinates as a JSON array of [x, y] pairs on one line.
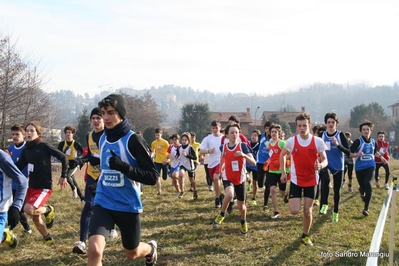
[[185, 236]]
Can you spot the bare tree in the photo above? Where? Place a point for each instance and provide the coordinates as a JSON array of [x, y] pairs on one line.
[[142, 112], [21, 96]]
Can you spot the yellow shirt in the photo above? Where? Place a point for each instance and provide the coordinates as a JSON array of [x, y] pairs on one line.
[[196, 146], [160, 147]]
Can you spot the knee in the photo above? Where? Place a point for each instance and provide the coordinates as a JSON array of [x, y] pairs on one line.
[[273, 190], [29, 209], [307, 212]]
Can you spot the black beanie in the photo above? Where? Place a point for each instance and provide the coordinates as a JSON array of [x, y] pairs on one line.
[[96, 111], [116, 101]]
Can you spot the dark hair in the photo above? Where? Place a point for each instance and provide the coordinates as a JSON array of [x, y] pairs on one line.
[[234, 118], [278, 128], [38, 128], [216, 123], [348, 134], [193, 134], [257, 131], [366, 123], [230, 126], [175, 136], [268, 124], [315, 129], [18, 127], [321, 130], [332, 116], [158, 130], [381, 132], [303, 116], [71, 128]]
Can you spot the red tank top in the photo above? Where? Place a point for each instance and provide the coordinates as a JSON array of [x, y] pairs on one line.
[[274, 151], [303, 159], [233, 166]]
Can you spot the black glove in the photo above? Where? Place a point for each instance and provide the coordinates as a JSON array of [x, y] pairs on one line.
[[117, 164], [94, 161], [79, 162], [72, 164], [13, 217]]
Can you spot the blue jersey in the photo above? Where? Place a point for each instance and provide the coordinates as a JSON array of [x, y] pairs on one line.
[[15, 154], [263, 152], [335, 156], [254, 149], [115, 191], [367, 160]]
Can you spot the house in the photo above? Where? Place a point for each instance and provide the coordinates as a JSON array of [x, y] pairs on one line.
[[395, 113], [245, 118], [288, 117], [249, 124]]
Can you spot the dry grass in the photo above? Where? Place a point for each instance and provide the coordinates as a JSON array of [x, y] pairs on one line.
[[185, 235]]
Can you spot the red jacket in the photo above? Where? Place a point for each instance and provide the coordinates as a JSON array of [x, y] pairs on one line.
[[382, 148]]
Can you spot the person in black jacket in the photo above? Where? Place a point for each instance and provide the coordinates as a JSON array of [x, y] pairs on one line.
[[37, 156]]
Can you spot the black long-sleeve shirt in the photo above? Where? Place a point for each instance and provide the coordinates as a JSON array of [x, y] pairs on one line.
[[37, 155]]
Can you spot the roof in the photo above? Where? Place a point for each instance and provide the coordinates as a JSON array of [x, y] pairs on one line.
[[284, 116], [244, 117]]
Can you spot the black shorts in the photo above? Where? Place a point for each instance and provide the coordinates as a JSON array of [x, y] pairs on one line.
[[238, 189], [103, 220], [296, 191], [189, 172]]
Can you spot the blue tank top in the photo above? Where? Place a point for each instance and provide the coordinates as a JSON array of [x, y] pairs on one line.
[[367, 160], [115, 191], [15, 154], [263, 152], [335, 156]]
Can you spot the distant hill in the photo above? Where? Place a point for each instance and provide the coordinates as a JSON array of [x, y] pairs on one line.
[[317, 99]]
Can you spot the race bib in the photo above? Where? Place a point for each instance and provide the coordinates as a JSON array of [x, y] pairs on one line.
[[113, 178], [328, 144], [31, 167], [234, 166], [68, 152]]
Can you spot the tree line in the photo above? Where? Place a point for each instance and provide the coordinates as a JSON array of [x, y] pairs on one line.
[[22, 99]]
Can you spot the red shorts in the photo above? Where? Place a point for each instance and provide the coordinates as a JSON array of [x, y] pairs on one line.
[[214, 171], [37, 197]]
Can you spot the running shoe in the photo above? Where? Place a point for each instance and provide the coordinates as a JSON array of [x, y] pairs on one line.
[[49, 217], [249, 186], [276, 215], [244, 228], [316, 202], [365, 212], [181, 194], [195, 195], [113, 234], [306, 241], [74, 193], [334, 217], [9, 238], [48, 240], [386, 186], [286, 199], [79, 248], [253, 203], [218, 221], [324, 209], [230, 207], [217, 203], [210, 188], [152, 260]]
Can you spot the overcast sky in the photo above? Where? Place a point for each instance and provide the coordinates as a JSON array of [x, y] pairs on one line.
[[260, 46]]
